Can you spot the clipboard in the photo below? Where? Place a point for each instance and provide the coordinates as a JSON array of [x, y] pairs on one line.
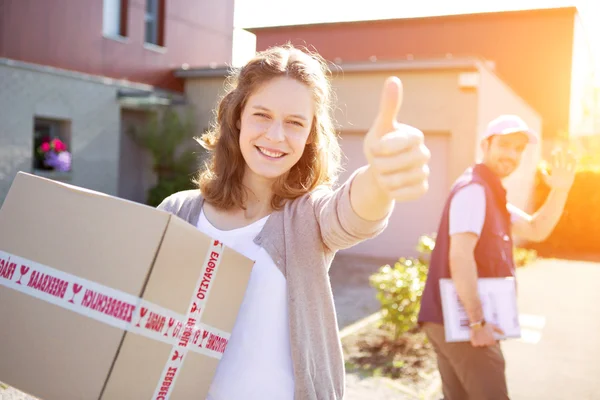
[[498, 301]]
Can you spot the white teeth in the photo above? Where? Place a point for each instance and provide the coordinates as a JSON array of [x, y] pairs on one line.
[[274, 154]]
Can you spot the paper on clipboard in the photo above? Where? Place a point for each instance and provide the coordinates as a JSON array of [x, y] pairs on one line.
[[498, 300]]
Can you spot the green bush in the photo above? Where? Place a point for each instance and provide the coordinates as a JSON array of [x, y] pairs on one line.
[[399, 288], [578, 229], [524, 256]]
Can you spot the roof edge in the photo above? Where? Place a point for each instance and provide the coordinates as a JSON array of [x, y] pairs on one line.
[[87, 77], [437, 64], [258, 29], [203, 72]]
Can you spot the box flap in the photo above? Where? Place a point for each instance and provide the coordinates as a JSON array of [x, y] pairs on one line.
[[91, 235], [172, 284]]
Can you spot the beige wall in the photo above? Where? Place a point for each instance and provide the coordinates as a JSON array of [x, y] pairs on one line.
[[90, 106], [409, 220], [104, 156], [496, 98], [432, 102]]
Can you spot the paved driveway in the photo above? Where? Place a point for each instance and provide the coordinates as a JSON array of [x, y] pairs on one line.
[[558, 357]]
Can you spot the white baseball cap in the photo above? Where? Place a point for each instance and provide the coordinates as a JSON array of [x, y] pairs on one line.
[[507, 124]]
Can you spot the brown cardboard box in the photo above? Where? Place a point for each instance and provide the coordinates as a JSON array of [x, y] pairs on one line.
[[124, 258]]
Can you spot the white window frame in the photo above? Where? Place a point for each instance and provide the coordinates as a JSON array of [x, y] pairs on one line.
[[111, 18], [152, 19]]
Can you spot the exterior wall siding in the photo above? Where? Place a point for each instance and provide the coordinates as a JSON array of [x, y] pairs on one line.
[[68, 34], [93, 112]]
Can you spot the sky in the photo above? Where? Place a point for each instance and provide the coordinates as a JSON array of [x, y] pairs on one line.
[[260, 13]]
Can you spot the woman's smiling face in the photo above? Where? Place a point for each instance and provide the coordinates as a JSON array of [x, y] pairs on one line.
[[275, 126]]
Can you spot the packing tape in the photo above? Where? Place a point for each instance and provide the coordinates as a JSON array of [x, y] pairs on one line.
[[125, 311], [195, 311]]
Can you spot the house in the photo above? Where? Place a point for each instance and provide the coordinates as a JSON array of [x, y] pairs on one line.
[[84, 71], [459, 71], [542, 54], [450, 100], [87, 81]]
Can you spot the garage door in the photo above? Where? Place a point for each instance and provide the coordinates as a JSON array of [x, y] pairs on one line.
[[409, 220]]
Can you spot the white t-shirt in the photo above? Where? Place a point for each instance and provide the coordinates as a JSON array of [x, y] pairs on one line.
[[467, 210], [257, 363]]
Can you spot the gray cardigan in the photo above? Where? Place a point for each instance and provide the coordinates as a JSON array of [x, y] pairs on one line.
[[302, 240]]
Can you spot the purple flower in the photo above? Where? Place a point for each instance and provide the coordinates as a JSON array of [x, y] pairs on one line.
[[60, 162]]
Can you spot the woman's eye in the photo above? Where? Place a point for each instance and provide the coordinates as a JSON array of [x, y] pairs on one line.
[[262, 115], [297, 123]]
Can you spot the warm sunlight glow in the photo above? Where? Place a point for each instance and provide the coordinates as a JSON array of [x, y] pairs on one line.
[[255, 13], [585, 100]]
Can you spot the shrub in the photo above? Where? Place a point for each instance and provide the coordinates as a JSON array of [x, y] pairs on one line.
[[167, 137], [524, 256], [578, 229], [399, 288]]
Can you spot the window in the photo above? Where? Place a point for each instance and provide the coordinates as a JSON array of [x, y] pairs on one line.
[[51, 145], [155, 14], [114, 18]]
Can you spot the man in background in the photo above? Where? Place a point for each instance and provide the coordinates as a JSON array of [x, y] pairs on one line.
[[475, 240]]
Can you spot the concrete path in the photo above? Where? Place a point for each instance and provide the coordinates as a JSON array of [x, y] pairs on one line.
[[558, 356]]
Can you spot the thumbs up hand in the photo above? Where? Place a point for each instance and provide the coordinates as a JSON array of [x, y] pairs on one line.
[[396, 153]]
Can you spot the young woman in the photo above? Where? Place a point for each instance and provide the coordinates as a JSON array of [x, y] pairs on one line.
[[267, 193]]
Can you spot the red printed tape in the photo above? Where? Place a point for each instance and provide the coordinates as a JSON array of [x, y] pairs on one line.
[[125, 311], [196, 309]]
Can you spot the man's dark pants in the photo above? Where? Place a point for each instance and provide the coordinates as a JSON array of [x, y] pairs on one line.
[[468, 372]]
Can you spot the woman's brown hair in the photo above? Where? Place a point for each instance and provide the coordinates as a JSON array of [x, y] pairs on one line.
[[221, 180]]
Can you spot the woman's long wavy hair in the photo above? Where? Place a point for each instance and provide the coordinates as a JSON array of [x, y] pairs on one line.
[[220, 181]]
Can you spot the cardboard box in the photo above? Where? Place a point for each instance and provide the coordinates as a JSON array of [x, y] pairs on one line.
[[103, 298]]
